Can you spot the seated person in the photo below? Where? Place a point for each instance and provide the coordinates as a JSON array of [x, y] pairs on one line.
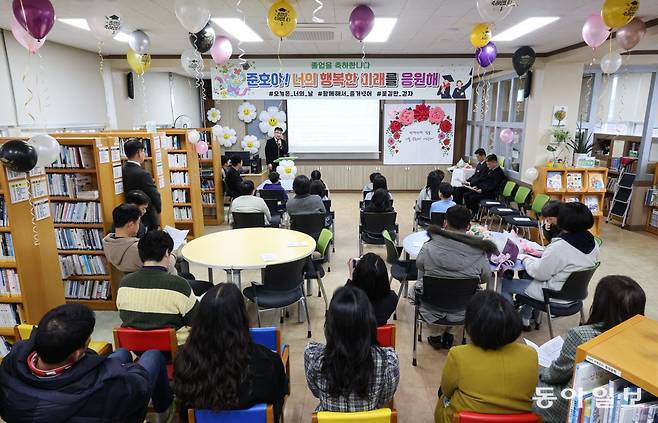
[[549, 213], [351, 372], [151, 298], [233, 177], [445, 192], [371, 275], [317, 188], [274, 183], [54, 377], [616, 299], [225, 165], [492, 374], [480, 170], [248, 202], [487, 187], [142, 201], [317, 176], [451, 253], [431, 190], [379, 182], [380, 202], [575, 249], [213, 374], [303, 202], [368, 187]]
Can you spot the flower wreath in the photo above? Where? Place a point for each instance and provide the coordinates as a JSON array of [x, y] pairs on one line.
[[420, 113]]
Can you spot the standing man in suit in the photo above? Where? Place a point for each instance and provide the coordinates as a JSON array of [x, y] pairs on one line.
[[480, 170], [276, 147], [486, 188], [137, 178]]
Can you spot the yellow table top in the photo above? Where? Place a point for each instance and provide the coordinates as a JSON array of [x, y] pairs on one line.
[[245, 248]]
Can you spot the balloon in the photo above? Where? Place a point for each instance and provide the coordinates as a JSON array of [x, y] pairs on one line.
[[193, 136], [47, 149], [221, 50], [201, 147], [282, 18], [506, 136], [630, 34], [26, 40], [18, 156], [362, 20], [139, 41], [523, 59], [486, 55], [103, 20], [617, 13], [36, 16], [531, 174], [203, 40], [192, 14], [480, 35], [611, 62], [495, 10], [192, 62], [595, 32], [139, 63]]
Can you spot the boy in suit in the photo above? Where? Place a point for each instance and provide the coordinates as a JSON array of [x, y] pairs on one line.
[[480, 170], [487, 187], [137, 178]]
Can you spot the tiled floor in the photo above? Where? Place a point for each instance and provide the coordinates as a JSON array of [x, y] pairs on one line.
[[629, 253]]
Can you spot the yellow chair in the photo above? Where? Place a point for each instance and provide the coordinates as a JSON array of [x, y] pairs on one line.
[[381, 415], [23, 331]]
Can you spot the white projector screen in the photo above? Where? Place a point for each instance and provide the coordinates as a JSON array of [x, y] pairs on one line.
[[317, 127]]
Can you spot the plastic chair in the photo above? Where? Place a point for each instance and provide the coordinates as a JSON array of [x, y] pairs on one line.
[[23, 331], [438, 219], [310, 224], [248, 220], [314, 268], [271, 338], [471, 417], [450, 295], [506, 194], [386, 335], [138, 341], [526, 222], [520, 199], [401, 270], [370, 232], [574, 291], [423, 217], [259, 413], [381, 415]]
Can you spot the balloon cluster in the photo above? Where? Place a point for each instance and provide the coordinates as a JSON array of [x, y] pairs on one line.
[[491, 11], [20, 156], [31, 21]]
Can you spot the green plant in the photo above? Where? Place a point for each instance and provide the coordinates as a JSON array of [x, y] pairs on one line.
[[560, 135], [580, 144]]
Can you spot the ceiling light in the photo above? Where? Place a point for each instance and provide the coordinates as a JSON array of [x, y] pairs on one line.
[[523, 28], [122, 37], [238, 29], [381, 31], [76, 22]]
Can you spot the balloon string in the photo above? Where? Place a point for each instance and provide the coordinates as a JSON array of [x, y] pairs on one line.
[[278, 57], [143, 89], [478, 92], [100, 58], [241, 58], [317, 19], [46, 92], [35, 231], [30, 94]]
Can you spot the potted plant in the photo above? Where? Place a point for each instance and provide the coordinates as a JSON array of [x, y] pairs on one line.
[[556, 147], [581, 144]]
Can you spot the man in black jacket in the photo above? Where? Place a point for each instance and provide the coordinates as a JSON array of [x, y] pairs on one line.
[[136, 177], [487, 187], [276, 147], [480, 170], [233, 177]]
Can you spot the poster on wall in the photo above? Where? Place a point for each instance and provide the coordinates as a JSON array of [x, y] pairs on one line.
[[418, 133], [262, 79]]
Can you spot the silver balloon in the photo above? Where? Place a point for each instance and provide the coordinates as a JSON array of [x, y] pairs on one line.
[[139, 41], [495, 10], [192, 62], [47, 149], [192, 14], [611, 62]]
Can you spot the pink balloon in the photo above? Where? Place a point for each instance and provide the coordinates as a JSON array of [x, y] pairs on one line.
[[222, 50], [201, 147], [23, 37], [36, 16], [595, 31], [506, 136]]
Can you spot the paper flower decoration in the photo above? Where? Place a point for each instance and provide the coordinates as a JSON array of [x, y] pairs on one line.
[[225, 135], [270, 119], [247, 112], [287, 169], [251, 144], [213, 115]]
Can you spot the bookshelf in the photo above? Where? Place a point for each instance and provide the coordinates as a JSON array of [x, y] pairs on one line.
[[652, 220], [210, 175], [569, 184]]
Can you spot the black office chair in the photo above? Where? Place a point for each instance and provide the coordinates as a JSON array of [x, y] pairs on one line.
[[273, 194], [310, 224], [248, 220], [365, 203], [370, 231], [330, 223], [283, 285], [450, 295], [276, 214], [438, 219], [401, 270], [572, 294], [423, 217], [314, 269]]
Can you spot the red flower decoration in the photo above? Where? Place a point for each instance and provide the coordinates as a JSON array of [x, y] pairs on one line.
[[446, 141], [446, 126], [395, 126], [396, 135], [422, 112]]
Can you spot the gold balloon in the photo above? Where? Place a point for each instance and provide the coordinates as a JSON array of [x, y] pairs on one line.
[[617, 13], [139, 63], [480, 35], [282, 18]]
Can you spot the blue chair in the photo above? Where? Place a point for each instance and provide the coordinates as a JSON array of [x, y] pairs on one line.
[[259, 413], [271, 338]]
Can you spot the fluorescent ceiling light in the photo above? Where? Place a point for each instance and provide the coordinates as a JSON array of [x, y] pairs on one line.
[[122, 37], [76, 22], [237, 28], [523, 28], [381, 31]]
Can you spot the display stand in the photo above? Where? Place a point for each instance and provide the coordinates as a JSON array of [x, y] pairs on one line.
[[210, 174]]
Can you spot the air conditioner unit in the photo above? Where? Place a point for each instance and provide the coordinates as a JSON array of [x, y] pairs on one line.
[[316, 33]]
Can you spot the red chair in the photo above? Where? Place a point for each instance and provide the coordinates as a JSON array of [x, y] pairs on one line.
[[386, 335], [138, 341], [471, 417]]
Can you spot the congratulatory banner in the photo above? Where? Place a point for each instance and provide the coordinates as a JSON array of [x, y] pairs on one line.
[[262, 79]]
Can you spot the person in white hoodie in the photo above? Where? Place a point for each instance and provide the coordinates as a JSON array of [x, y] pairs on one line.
[[574, 249]]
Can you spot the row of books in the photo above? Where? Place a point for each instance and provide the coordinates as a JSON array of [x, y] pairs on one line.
[[10, 315], [88, 290], [180, 196], [82, 265], [182, 213], [208, 198], [76, 212], [4, 217], [79, 239], [207, 155], [4, 347], [6, 245], [654, 218], [574, 181], [171, 142], [651, 198], [75, 158], [145, 141], [9, 283], [180, 178], [208, 184], [177, 160], [206, 173], [69, 185]]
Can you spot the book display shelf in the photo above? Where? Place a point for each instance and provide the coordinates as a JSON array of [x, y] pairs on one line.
[[652, 221], [573, 184], [210, 174]]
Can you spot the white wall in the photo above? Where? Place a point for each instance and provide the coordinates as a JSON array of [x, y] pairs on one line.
[[7, 112]]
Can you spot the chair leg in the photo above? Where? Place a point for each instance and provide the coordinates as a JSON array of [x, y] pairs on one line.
[[257, 310], [308, 318], [420, 330], [309, 291], [550, 320], [413, 362], [582, 314], [281, 316], [463, 334], [322, 293]]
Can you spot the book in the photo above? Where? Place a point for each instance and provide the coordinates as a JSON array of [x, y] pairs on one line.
[[177, 235], [592, 203], [575, 181], [596, 182], [571, 199], [554, 181], [548, 352]]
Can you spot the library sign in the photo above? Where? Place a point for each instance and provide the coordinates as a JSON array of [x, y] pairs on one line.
[[263, 79]]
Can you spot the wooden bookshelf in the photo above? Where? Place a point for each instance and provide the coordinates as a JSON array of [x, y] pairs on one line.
[[653, 209], [210, 173], [559, 184]]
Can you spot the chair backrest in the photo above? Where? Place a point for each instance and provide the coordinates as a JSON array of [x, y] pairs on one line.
[[327, 205], [375, 223], [438, 218], [271, 194], [268, 337], [539, 202], [471, 417], [259, 413], [576, 286], [448, 294], [275, 206], [425, 206], [143, 340], [323, 241], [310, 224], [392, 254], [508, 188], [381, 415], [248, 220], [521, 196], [365, 203], [285, 276], [386, 336]]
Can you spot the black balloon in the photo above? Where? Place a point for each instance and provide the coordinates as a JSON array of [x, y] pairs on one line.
[[18, 156], [203, 40], [523, 59]]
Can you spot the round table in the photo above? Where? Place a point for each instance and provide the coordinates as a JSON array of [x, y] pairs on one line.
[[250, 248]]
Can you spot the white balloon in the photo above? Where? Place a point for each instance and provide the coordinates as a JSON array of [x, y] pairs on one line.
[[531, 174], [139, 41], [193, 136], [611, 62], [47, 149], [192, 62], [103, 19], [495, 10], [192, 14]]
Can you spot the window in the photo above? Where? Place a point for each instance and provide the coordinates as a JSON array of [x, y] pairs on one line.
[[622, 103]]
